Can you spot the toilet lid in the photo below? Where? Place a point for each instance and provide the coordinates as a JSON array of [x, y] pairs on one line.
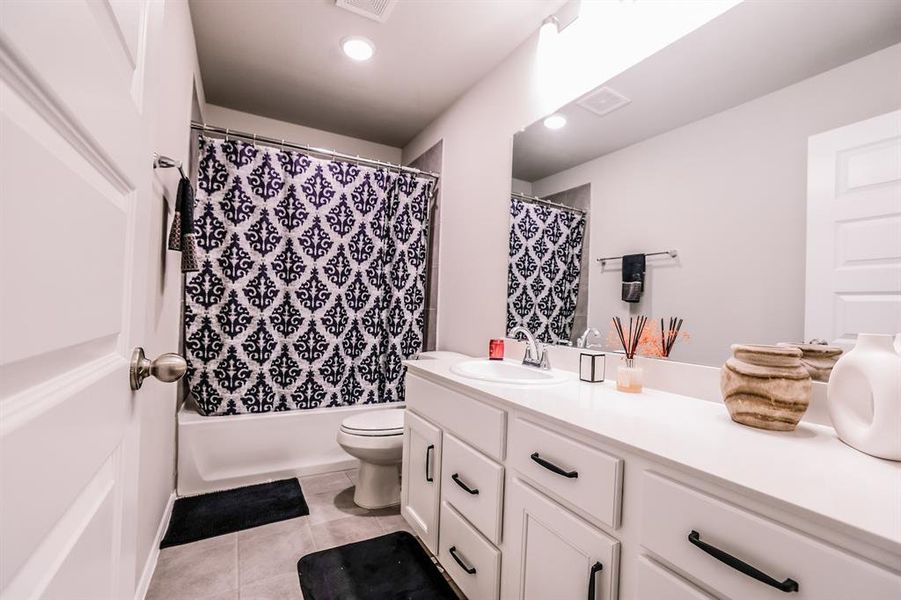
[[375, 422]]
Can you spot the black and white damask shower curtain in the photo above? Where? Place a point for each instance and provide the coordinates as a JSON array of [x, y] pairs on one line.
[[311, 288], [544, 267]]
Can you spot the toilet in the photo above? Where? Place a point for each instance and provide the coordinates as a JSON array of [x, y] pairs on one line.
[[376, 437]]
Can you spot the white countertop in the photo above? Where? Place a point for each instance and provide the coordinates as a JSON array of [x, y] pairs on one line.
[[808, 469]]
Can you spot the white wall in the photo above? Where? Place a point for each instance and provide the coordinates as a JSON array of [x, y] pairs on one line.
[[729, 192], [172, 64], [250, 123], [521, 187], [478, 129]]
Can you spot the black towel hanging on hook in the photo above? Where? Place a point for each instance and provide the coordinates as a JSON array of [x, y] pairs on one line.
[[633, 277]]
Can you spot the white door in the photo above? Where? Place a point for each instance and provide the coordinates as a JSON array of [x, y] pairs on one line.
[[75, 180], [854, 231], [551, 553], [421, 478]]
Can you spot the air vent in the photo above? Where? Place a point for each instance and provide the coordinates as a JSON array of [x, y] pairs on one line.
[[602, 101], [377, 10]]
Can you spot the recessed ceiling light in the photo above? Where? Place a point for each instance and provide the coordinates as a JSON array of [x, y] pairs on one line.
[[555, 122], [358, 48]]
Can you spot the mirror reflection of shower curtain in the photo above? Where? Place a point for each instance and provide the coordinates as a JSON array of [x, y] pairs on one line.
[[311, 289], [543, 272]]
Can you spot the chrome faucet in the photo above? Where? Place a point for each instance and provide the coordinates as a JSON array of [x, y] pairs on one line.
[[536, 353], [582, 342]]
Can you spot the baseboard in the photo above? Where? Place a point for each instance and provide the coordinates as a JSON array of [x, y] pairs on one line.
[[150, 564]]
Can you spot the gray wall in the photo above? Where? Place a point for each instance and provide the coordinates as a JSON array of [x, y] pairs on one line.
[[729, 192]]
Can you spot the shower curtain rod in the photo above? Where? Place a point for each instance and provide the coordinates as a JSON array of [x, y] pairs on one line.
[[254, 138], [537, 200]]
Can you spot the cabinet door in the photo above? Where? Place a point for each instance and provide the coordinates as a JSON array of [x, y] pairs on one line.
[[421, 481], [552, 553]]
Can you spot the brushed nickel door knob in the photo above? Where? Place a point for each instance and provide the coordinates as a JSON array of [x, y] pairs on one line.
[[167, 367]]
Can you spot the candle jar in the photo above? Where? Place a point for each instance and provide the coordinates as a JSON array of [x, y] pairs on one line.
[[496, 350], [628, 376]]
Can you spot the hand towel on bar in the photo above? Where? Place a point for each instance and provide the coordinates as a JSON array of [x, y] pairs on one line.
[[633, 277], [182, 236]]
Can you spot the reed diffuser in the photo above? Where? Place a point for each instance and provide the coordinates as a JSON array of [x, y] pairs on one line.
[[628, 376], [669, 335]]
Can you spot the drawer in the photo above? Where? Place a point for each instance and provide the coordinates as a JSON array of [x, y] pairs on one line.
[[474, 484], [576, 473], [471, 561], [676, 520], [656, 582], [477, 423]]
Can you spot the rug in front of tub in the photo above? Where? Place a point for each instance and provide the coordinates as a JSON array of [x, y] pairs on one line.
[[387, 567], [311, 288]]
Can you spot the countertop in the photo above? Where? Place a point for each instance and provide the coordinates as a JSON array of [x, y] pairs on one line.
[[808, 469]]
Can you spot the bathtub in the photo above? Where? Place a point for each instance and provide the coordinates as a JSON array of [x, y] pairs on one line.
[[217, 453]]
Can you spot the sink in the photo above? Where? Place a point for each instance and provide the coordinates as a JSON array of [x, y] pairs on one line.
[[506, 372]]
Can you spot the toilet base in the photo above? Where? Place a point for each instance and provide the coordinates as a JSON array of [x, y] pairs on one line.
[[378, 486]]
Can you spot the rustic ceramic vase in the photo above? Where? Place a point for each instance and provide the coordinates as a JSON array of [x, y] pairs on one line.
[[864, 397], [818, 359], [766, 386]]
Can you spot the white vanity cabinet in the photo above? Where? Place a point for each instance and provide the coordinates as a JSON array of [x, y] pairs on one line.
[[520, 497]]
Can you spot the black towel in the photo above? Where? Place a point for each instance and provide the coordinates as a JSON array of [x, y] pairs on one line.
[[633, 277], [181, 236]]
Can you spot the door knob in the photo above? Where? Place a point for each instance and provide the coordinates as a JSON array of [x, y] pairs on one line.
[[167, 367]]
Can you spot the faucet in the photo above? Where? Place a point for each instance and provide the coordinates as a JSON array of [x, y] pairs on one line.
[[582, 342], [536, 354]]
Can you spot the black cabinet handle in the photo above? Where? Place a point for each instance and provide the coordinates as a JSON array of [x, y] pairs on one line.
[[456, 478], [591, 577], [789, 585], [552, 467], [463, 565], [428, 463]]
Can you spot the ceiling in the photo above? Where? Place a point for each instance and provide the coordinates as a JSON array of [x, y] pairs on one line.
[[282, 59], [753, 49]]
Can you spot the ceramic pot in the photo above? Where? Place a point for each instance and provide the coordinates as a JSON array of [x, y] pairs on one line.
[[864, 397], [766, 386], [818, 359]]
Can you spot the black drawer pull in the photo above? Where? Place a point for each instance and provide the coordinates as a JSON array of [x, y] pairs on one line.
[[463, 565], [591, 577], [456, 478], [552, 467], [789, 585], [428, 463]]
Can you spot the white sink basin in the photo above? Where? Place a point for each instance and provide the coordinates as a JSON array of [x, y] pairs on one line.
[[506, 372]]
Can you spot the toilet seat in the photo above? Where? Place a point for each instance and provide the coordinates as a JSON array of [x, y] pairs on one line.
[[375, 423]]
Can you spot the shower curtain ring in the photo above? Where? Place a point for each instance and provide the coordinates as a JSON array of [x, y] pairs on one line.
[[226, 134], [254, 142]]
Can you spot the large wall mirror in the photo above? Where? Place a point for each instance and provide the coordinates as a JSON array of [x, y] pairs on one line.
[[754, 195]]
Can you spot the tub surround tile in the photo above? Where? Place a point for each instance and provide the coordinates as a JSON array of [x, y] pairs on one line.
[[207, 568], [266, 556]]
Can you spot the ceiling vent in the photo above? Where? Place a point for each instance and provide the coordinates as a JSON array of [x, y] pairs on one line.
[[603, 101], [377, 10]]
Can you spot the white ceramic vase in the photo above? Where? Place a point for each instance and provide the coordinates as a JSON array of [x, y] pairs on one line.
[[864, 397]]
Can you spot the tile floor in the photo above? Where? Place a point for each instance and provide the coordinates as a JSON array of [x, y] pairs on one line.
[[261, 563]]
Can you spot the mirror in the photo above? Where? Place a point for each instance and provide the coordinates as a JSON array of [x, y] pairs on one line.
[[752, 169]]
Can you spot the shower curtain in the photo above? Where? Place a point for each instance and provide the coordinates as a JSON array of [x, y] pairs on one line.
[[311, 288], [544, 268]]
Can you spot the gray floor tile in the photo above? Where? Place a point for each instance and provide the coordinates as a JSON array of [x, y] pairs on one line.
[[325, 483], [280, 587], [196, 570], [331, 507], [392, 523], [352, 474], [266, 556], [344, 531]]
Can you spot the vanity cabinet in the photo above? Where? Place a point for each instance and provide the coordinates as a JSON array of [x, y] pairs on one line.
[[518, 505], [421, 478]]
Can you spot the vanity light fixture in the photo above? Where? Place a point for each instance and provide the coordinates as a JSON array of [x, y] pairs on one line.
[[555, 121], [358, 48]]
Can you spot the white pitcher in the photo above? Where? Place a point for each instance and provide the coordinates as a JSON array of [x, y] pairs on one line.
[[864, 396]]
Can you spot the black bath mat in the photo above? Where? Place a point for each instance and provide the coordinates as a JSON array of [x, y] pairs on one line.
[[390, 567], [208, 515]]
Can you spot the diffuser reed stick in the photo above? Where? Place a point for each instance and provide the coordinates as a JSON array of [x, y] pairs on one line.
[[669, 335], [630, 342]]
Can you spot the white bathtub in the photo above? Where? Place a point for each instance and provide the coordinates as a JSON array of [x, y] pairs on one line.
[[216, 453]]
